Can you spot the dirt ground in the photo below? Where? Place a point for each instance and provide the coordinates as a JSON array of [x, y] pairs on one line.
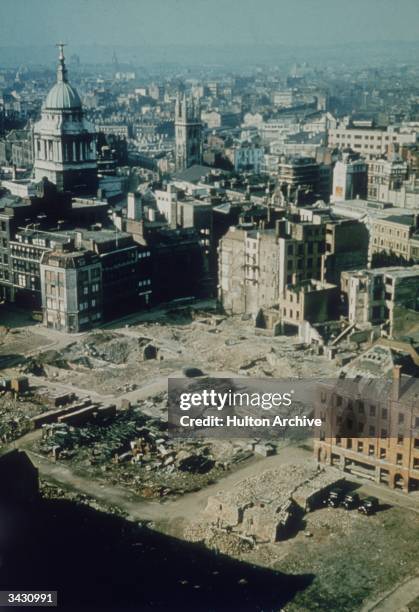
[[111, 362], [352, 558]]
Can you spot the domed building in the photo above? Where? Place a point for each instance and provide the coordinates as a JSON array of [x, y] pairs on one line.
[[64, 141]]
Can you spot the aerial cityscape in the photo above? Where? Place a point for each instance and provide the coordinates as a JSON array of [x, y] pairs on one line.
[[209, 305]]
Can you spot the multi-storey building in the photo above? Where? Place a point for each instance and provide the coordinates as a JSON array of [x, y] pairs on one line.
[[349, 178], [311, 301], [385, 176], [17, 148], [383, 295], [371, 428], [299, 175], [370, 142], [71, 283], [26, 252], [126, 269], [394, 235], [257, 266], [346, 248]]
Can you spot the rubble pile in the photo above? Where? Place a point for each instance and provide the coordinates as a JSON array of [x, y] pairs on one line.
[[39, 365], [15, 415], [134, 450], [52, 491], [262, 508], [110, 362], [220, 540], [61, 440], [104, 442]]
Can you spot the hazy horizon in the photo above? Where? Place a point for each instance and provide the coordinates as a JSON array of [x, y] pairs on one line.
[[207, 22]]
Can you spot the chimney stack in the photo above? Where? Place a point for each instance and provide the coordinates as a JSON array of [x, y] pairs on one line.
[[397, 379]]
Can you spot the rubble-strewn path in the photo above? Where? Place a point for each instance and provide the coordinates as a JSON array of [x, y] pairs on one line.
[[186, 506]]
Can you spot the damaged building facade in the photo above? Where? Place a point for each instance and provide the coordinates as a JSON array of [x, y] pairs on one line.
[[289, 268], [388, 297]]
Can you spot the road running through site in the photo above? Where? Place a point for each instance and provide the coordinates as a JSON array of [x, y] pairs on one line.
[[188, 506]]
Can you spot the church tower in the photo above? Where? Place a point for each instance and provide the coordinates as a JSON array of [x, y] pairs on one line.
[[188, 134], [64, 142]]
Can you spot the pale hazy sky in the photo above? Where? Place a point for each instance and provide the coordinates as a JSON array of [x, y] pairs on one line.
[[206, 22]]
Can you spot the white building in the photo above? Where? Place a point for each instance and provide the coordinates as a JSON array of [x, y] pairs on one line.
[[370, 142], [385, 176], [349, 179], [64, 142]]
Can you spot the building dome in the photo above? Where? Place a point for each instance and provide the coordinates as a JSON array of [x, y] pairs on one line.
[[63, 97]]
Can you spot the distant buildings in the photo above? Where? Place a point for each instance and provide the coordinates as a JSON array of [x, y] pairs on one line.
[[246, 157], [16, 148]]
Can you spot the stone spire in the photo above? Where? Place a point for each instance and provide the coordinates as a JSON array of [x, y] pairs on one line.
[[61, 69]]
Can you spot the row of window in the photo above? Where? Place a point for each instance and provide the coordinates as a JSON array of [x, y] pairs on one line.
[[382, 452]]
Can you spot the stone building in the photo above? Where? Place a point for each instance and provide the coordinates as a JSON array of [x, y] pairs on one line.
[[383, 296], [255, 266], [385, 177], [369, 141], [396, 236], [126, 269], [188, 134], [71, 284], [311, 301], [64, 142], [17, 148], [346, 248], [350, 177]]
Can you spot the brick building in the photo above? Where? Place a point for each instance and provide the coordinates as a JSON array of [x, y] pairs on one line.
[[371, 428]]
